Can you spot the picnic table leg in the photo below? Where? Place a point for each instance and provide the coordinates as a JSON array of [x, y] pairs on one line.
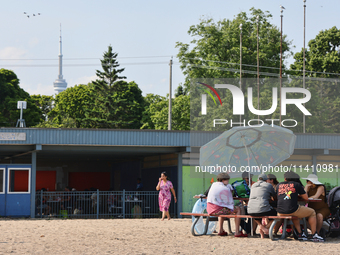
[[305, 226], [206, 226], [271, 236], [229, 226], [193, 226], [284, 228]]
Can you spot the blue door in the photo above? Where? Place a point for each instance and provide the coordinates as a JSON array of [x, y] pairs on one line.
[[15, 195]]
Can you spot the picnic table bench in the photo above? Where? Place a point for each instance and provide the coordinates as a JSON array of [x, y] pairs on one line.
[[228, 217]]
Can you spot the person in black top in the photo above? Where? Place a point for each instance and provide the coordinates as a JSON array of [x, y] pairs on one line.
[[287, 205]]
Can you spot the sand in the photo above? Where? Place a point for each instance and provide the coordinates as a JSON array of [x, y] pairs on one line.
[[137, 236]]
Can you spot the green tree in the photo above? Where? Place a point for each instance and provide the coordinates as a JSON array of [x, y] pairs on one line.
[[72, 105], [214, 51], [10, 94], [151, 106], [181, 91], [157, 111], [110, 75], [44, 103], [118, 104], [322, 58], [322, 55]]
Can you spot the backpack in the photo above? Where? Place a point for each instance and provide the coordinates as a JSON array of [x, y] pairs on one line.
[[241, 188]]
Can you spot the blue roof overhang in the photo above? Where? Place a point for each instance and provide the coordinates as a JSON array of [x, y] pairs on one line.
[[117, 143]]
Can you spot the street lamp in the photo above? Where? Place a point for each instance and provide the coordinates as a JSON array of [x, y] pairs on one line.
[[240, 62], [282, 8], [304, 58]]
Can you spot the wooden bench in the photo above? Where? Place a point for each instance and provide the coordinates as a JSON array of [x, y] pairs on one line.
[[228, 217]]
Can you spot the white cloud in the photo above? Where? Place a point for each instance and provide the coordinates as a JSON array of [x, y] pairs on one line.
[[163, 80], [12, 53]]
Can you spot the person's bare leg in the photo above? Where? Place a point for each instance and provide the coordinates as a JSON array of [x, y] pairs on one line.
[[296, 223], [319, 222], [269, 223], [255, 225], [312, 223], [163, 215], [277, 226], [259, 223], [168, 215], [261, 233], [220, 222], [237, 211]]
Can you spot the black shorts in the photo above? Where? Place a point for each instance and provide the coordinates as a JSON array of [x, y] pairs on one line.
[[272, 212]]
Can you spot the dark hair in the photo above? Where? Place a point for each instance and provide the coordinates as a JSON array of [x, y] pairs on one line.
[[274, 180], [298, 181], [292, 177], [139, 179], [165, 174]]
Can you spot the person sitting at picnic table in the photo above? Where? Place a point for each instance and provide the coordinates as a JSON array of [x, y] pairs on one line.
[[287, 205], [242, 190], [272, 180], [316, 190], [259, 203], [220, 202]]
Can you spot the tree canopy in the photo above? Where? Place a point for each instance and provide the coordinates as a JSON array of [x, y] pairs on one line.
[[322, 56], [322, 59], [214, 51], [10, 94], [157, 111]]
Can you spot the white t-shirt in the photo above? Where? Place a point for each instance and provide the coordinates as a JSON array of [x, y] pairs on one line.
[[221, 195]]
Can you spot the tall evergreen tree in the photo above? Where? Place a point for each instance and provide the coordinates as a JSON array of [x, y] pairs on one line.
[[118, 104]]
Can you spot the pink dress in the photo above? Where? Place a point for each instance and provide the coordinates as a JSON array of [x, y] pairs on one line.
[[164, 197]]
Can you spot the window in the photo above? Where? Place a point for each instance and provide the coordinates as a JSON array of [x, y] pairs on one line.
[[19, 180]]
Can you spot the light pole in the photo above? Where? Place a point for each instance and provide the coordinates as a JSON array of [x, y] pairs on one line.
[[240, 62], [282, 8], [258, 70], [304, 58], [170, 95]]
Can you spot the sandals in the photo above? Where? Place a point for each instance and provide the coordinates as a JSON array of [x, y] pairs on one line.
[[241, 235], [223, 234]]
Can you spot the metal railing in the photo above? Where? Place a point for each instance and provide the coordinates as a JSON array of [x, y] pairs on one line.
[[99, 204]]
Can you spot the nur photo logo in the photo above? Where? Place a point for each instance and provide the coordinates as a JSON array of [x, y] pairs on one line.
[[238, 103]]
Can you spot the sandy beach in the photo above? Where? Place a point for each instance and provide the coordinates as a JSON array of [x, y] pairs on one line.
[[137, 236]]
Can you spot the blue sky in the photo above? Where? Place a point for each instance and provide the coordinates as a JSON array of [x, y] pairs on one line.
[[135, 29]]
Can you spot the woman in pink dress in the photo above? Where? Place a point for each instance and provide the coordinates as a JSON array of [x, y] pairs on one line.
[[164, 198]]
